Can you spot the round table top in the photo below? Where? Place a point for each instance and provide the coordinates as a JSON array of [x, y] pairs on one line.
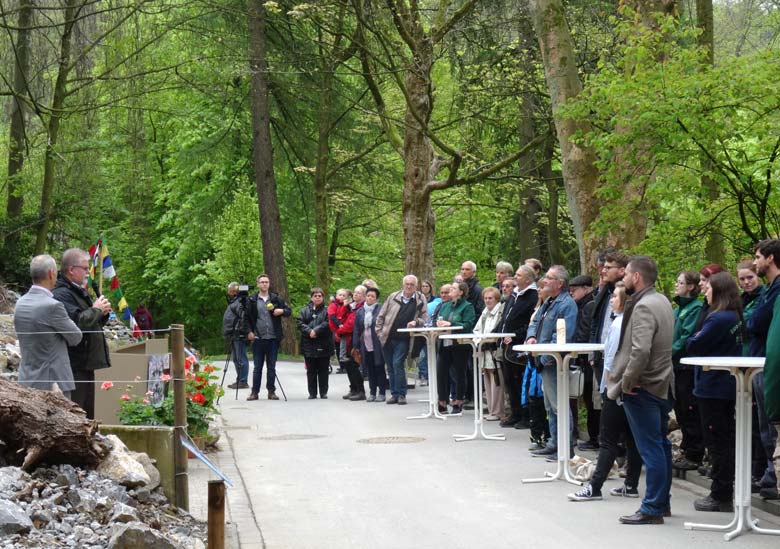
[[725, 361], [491, 335], [430, 329], [543, 348]]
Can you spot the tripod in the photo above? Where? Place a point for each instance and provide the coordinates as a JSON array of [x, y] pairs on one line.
[[231, 356]]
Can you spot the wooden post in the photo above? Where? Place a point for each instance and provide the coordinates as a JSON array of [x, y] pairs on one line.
[[181, 480], [216, 518]]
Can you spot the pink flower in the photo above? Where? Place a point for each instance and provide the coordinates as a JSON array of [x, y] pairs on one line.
[[106, 385], [165, 377], [125, 396], [146, 401], [149, 393]]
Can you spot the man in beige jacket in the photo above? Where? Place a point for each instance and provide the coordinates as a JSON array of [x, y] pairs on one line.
[[642, 377]]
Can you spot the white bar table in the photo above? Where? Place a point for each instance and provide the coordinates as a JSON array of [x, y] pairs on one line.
[[431, 334], [562, 354], [477, 341], [743, 369]]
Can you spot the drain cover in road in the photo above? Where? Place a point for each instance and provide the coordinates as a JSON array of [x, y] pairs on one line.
[[391, 440], [291, 437]]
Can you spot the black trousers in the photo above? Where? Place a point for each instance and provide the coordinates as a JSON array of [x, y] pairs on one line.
[[455, 358], [355, 377], [718, 422], [537, 419], [594, 415], [317, 374], [84, 393], [686, 410], [614, 428], [513, 387], [377, 380]]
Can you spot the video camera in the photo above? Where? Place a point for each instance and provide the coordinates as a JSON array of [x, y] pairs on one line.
[[241, 325], [243, 291]]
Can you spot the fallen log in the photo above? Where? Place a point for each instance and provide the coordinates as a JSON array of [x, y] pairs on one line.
[[43, 426]]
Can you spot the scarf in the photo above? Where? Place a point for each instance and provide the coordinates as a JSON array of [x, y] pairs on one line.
[[369, 313]]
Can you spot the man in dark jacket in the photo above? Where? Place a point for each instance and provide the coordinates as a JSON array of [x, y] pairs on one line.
[[516, 316], [265, 312], [612, 271], [468, 270], [235, 328], [581, 290], [90, 316]]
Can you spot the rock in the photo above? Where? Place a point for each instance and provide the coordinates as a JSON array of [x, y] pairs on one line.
[[13, 520], [123, 513], [136, 535], [67, 476], [143, 494], [12, 478], [149, 467], [120, 466]]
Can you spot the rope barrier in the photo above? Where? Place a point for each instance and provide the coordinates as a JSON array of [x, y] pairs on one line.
[[168, 329]]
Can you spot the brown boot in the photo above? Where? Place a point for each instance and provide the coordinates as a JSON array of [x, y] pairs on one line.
[[272, 396]]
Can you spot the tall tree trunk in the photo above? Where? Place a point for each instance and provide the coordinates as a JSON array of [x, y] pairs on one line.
[[58, 102], [715, 247], [580, 175], [321, 183], [16, 144], [262, 156], [418, 218]]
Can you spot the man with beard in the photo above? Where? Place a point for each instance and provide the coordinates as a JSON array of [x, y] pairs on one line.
[[767, 263], [642, 376]]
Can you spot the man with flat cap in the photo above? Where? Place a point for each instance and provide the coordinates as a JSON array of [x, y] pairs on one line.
[[581, 289]]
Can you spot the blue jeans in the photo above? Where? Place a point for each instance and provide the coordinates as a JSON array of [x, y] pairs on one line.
[[241, 360], [648, 416], [264, 350], [550, 390], [422, 363], [395, 351]]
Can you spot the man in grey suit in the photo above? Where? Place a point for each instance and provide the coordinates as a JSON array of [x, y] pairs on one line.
[[45, 331], [642, 376]]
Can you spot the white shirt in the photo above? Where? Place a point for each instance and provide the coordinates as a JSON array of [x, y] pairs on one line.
[[610, 349]]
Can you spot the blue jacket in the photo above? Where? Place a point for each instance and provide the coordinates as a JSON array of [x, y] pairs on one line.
[[719, 336], [551, 310], [761, 318]]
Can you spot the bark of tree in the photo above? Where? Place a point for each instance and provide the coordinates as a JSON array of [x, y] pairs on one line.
[[321, 183], [72, 7], [42, 426], [580, 174], [17, 137], [715, 247], [262, 156]]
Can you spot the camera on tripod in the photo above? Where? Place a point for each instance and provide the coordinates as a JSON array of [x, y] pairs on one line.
[[241, 325]]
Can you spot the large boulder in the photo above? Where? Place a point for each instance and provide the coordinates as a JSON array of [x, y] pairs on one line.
[[119, 465], [13, 519], [137, 535], [151, 470]]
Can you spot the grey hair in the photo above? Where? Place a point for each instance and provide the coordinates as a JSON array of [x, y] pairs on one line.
[[409, 277], [561, 274], [527, 270], [471, 264], [505, 267], [40, 266], [360, 287], [233, 286], [72, 257]]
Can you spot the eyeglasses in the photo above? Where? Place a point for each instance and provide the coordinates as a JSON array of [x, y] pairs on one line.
[[80, 267], [608, 267]]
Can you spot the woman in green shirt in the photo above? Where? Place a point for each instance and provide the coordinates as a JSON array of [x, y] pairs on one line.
[[456, 312]]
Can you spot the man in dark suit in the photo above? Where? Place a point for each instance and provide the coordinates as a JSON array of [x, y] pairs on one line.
[[90, 316], [45, 331]]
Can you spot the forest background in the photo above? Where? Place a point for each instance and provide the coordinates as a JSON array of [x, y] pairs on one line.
[[325, 142]]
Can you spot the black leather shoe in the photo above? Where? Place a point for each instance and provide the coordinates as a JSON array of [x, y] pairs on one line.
[[769, 493], [712, 505], [509, 422], [640, 518]]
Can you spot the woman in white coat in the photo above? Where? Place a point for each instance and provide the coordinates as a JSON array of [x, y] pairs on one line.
[[488, 321]]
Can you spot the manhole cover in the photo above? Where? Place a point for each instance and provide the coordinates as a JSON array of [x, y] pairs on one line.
[[391, 440], [291, 437]]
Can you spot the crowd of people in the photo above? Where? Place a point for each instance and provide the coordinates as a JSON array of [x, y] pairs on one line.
[[628, 390]]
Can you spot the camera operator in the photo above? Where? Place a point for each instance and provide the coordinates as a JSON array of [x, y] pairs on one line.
[[235, 329]]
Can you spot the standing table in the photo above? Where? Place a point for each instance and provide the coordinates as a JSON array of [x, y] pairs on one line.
[[743, 369], [477, 341], [431, 334], [562, 354]]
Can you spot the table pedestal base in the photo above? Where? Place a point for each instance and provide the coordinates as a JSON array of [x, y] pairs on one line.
[[433, 410]]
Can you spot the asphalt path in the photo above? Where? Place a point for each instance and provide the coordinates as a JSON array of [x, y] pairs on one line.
[[340, 474]]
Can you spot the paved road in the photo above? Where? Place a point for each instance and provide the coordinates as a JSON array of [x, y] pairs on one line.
[[304, 480]]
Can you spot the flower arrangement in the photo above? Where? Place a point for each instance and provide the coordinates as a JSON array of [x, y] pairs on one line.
[[202, 397]]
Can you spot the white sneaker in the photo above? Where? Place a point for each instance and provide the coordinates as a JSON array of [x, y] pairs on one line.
[[491, 417], [586, 494]]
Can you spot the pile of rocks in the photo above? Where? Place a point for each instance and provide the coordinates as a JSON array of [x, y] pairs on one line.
[[116, 507], [9, 349]]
